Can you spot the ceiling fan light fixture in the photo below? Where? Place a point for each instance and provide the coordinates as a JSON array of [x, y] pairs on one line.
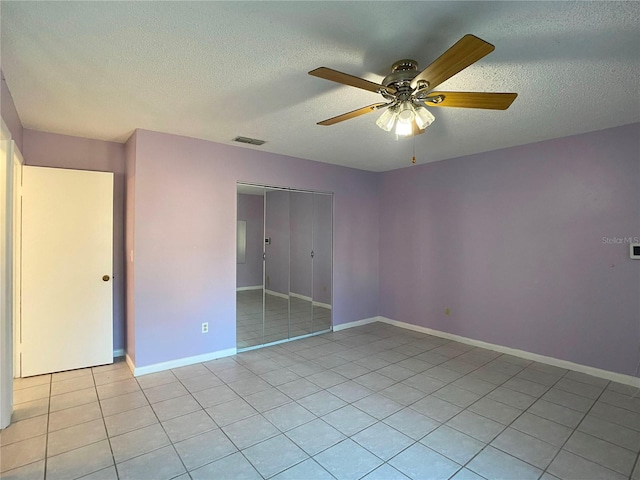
[[406, 112], [424, 117], [406, 115], [404, 129], [387, 119]]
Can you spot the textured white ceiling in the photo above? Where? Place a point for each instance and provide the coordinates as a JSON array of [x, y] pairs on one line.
[[216, 70]]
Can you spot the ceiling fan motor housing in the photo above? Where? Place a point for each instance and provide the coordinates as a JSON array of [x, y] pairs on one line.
[[402, 72]]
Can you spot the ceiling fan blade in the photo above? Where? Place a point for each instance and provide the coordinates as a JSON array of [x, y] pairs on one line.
[[349, 115], [468, 50], [491, 101], [346, 79]]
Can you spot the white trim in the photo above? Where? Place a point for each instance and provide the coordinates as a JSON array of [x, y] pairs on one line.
[[118, 353], [300, 296], [284, 340], [276, 294], [323, 305], [130, 363], [180, 362], [243, 289], [357, 323], [556, 362], [272, 187], [304, 297], [18, 162], [6, 278]]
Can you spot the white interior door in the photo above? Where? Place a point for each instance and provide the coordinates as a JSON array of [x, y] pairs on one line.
[[67, 265]]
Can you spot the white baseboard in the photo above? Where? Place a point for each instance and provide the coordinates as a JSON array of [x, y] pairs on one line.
[[300, 296], [284, 295], [323, 305], [276, 294], [596, 372], [244, 289], [357, 323], [130, 363], [556, 362], [307, 298], [180, 362], [118, 353]]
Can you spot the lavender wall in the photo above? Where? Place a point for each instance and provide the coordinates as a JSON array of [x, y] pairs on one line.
[[129, 247], [251, 210], [63, 151], [185, 224], [512, 242], [10, 114]]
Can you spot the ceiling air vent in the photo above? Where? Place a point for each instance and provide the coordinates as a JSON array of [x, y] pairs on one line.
[[251, 141]]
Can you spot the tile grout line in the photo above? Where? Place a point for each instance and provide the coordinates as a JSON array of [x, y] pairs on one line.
[[409, 406], [161, 426], [113, 458], [636, 465], [546, 470], [46, 445], [220, 427], [239, 450], [82, 423], [49, 413], [488, 444], [212, 419], [574, 429]]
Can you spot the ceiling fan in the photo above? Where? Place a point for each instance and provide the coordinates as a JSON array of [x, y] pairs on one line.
[[407, 92]]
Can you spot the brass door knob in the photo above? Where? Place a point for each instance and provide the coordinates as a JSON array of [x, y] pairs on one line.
[[105, 278]]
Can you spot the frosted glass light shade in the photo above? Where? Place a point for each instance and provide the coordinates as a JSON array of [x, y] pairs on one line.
[[403, 129], [424, 118], [386, 120], [404, 126]]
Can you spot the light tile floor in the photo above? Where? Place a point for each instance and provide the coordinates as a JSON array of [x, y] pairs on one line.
[[373, 402]]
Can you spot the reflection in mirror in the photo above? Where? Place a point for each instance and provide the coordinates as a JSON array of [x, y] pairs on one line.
[[241, 241], [284, 269], [322, 255], [276, 265], [301, 223], [249, 291]]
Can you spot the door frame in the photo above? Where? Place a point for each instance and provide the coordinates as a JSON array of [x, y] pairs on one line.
[[6, 280], [18, 163]]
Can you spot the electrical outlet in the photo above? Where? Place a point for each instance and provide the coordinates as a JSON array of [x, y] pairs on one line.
[[205, 327], [447, 311]]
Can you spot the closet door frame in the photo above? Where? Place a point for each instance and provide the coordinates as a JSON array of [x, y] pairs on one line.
[[264, 269]]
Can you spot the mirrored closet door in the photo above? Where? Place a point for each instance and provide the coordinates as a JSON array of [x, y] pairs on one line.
[[284, 268], [276, 266], [249, 267], [322, 253]]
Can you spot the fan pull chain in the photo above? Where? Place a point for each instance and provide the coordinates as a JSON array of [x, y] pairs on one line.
[[413, 160]]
